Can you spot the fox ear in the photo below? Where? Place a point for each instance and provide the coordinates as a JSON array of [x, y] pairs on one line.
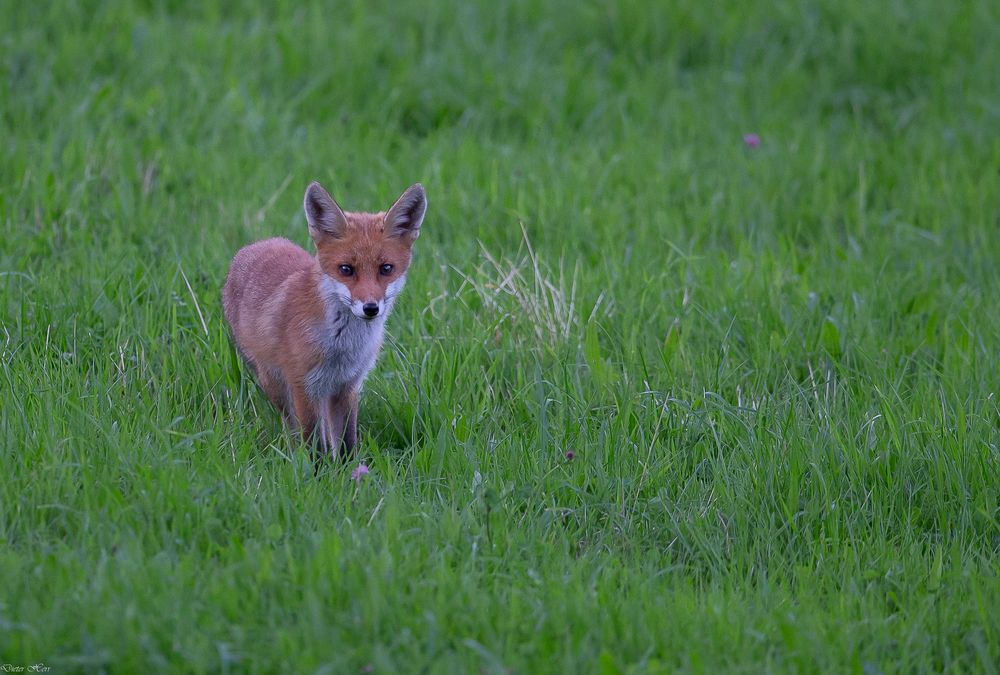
[[323, 214], [407, 214]]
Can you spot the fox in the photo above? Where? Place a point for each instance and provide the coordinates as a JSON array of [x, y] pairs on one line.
[[311, 326]]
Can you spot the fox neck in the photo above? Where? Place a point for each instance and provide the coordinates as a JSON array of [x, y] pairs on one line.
[[348, 344]]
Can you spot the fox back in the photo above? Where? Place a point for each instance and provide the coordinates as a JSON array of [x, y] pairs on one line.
[[311, 327]]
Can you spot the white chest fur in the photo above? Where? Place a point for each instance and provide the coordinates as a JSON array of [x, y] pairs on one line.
[[349, 344]]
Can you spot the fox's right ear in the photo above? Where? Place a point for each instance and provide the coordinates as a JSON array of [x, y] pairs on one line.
[[324, 216]]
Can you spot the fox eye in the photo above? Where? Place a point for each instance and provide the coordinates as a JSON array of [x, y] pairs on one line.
[[386, 269], [347, 270]]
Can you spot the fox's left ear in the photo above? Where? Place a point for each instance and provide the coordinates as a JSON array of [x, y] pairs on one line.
[[406, 215]]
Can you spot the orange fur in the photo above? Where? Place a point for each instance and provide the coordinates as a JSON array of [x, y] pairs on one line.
[[304, 322]]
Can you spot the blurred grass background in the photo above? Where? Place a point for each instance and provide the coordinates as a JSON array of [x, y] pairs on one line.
[[775, 366]]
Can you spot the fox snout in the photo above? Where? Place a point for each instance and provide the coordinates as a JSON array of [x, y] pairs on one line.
[[368, 298], [362, 305], [368, 308]]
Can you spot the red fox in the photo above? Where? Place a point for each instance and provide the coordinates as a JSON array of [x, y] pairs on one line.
[[312, 327]]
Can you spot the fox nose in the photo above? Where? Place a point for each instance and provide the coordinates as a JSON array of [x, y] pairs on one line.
[[370, 309]]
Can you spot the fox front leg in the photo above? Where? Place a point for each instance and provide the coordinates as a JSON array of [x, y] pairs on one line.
[[351, 432], [337, 425]]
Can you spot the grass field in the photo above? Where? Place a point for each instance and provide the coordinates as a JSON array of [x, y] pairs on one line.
[[654, 399]]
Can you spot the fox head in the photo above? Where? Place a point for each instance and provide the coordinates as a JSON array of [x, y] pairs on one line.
[[364, 256]]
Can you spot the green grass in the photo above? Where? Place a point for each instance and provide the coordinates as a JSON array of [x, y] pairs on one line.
[[777, 368]]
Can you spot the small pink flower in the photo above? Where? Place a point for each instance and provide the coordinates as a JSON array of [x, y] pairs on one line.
[[751, 140], [570, 455], [360, 471]]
